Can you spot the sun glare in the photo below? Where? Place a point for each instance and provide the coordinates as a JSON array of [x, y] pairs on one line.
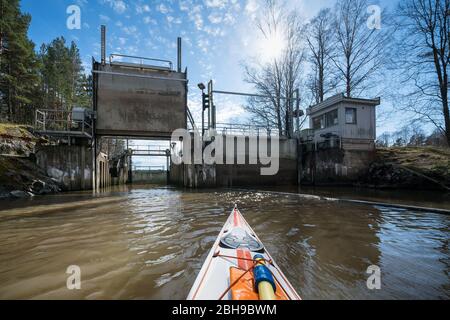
[[271, 47]]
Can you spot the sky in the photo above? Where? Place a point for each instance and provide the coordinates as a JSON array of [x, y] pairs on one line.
[[219, 37]]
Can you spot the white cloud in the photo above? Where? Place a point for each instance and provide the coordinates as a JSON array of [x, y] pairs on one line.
[[81, 3], [118, 6], [148, 20], [251, 6], [229, 19], [215, 18], [171, 19], [195, 15], [163, 8], [203, 45], [185, 5], [142, 8], [215, 3], [131, 30], [231, 110], [104, 18]]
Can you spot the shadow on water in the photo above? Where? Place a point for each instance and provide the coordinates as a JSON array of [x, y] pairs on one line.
[[150, 243]]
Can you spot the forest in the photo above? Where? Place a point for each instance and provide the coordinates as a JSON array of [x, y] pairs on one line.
[[51, 77]]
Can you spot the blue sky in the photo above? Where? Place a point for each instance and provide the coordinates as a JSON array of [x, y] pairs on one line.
[[219, 36]]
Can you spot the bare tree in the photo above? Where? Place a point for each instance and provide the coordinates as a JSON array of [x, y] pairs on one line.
[[383, 140], [423, 57], [279, 78], [436, 139], [319, 37], [359, 54]]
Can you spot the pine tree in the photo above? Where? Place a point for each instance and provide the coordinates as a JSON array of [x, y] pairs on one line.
[[18, 64], [64, 83]]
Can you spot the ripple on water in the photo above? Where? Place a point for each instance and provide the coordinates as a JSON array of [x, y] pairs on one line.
[[151, 243]]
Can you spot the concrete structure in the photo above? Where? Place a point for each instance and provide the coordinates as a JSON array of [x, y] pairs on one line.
[[150, 176], [70, 166], [340, 144], [229, 175], [352, 121], [138, 100]]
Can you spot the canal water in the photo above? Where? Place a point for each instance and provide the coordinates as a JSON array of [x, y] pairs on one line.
[[150, 243]]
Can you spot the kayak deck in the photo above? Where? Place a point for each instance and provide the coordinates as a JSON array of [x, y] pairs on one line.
[[227, 272]]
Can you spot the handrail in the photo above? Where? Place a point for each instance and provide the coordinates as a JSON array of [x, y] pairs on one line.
[[150, 168], [144, 147], [60, 121], [230, 128], [111, 56]]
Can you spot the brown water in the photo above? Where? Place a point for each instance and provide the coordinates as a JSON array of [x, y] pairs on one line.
[[149, 243]]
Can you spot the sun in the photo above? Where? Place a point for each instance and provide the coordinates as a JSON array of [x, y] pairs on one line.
[[271, 47]]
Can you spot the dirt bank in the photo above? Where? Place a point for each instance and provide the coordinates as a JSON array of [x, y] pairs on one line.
[[19, 174], [410, 168]]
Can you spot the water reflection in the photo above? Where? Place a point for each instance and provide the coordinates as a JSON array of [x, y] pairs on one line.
[[149, 243]]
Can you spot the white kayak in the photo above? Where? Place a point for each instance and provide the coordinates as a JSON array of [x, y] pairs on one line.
[[238, 267]]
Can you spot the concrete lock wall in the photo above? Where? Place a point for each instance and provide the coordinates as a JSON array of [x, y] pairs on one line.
[[70, 166], [139, 106], [250, 174], [227, 175], [333, 166], [154, 176]]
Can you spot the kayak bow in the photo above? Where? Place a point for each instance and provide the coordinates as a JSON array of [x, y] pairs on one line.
[[238, 267]]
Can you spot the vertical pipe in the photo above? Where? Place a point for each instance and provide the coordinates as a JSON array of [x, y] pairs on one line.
[[179, 54], [203, 114], [212, 107], [297, 108], [103, 43], [209, 107]]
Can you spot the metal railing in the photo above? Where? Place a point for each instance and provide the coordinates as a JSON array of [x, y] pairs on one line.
[[245, 130], [61, 122], [149, 147], [149, 150], [140, 61], [149, 168], [191, 121]]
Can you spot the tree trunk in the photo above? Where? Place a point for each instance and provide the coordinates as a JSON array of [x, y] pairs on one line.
[[446, 114], [348, 81], [321, 83]]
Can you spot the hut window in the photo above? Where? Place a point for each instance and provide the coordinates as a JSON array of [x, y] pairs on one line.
[[350, 115], [318, 123], [331, 118]]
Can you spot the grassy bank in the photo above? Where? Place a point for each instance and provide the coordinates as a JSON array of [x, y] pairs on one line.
[[410, 167]]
